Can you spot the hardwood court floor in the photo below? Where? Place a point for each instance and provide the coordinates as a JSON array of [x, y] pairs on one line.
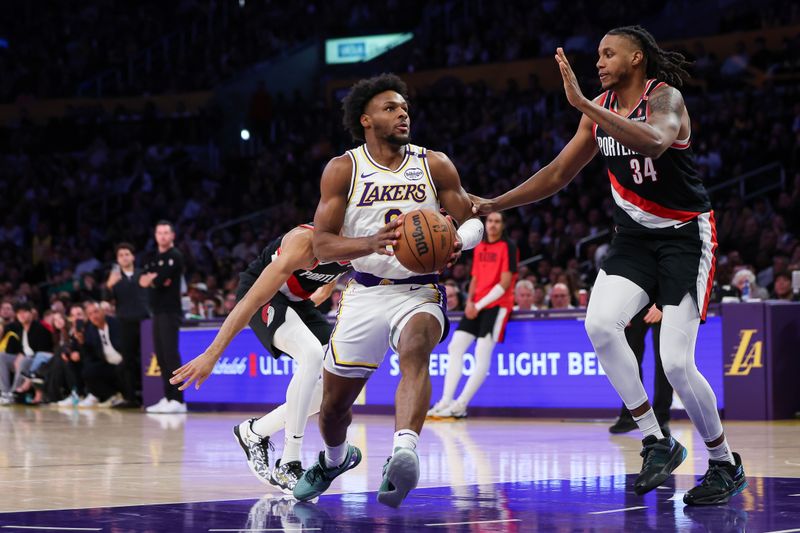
[[56, 459]]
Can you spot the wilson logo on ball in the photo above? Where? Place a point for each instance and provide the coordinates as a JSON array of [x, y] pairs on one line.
[[419, 236]]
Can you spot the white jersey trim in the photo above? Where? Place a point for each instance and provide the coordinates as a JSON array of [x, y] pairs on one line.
[[706, 267], [640, 216]]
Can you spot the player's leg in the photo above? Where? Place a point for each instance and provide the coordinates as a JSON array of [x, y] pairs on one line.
[[459, 343], [335, 415], [634, 334], [273, 324], [294, 338], [419, 333], [615, 301], [483, 360], [662, 393], [492, 326], [725, 476]]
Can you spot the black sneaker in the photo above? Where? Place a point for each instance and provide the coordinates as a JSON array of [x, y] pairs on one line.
[[285, 476], [623, 424], [722, 481], [661, 457]]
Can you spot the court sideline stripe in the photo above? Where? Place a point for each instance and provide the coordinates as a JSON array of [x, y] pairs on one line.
[[53, 528], [273, 529], [475, 522], [786, 531], [620, 510]]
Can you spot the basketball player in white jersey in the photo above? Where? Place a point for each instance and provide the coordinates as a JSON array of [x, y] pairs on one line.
[[363, 194]]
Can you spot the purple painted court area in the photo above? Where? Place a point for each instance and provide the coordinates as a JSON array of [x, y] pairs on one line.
[[599, 504]]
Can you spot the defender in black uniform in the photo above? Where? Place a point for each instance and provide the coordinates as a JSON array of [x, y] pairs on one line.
[[663, 248], [278, 295]]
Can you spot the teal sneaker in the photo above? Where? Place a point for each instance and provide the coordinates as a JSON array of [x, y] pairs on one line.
[[400, 476], [317, 479]]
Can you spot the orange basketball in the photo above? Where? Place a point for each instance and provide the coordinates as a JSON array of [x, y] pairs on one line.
[[426, 241]]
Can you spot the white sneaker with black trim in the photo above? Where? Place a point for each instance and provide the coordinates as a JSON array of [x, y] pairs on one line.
[[256, 448], [285, 476]]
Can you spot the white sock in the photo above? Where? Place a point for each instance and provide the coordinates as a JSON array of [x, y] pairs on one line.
[[291, 448], [648, 423], [335, 455], [405, 438], [721, 452]]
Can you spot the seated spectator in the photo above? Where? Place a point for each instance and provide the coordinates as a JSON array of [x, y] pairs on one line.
[[523, 296], [453, 296], [560, 298], [7, 312], [8, 364], [35, 344], [746, 275], [67, 371], [782, 290], [229, 303], [200, 307], [103, 368]]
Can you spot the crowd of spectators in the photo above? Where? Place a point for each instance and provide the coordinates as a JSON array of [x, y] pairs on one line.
[[53, 48], [59, 49], [76, 187]]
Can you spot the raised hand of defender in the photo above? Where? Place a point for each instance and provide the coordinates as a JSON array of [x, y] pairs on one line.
[[386, 236], [197, 370], [571, 87]]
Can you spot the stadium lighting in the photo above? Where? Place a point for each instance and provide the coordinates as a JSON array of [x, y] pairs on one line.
[[245, 134]]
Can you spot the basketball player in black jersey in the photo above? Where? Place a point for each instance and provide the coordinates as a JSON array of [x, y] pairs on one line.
[[663, 249], [278, 296]]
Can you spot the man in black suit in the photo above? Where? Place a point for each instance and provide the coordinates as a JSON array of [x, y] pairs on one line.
[[103, 365]]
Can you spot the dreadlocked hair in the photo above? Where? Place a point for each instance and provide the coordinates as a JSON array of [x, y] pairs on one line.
[[359, 96], [660, 64]]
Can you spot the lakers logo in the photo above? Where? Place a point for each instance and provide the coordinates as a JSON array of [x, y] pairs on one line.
[[747, 356], [391, 193], [153, 370]]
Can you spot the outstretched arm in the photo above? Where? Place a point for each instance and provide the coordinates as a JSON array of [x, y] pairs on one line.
[[329, 218], [295, 254], [454, 199], [551, 178], [651, 138], [323, 293]]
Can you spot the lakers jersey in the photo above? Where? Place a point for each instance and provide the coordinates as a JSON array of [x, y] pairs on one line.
[[378, 194], [651, 193]]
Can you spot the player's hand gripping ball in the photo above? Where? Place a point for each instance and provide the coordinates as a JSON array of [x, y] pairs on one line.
[[426, 242]]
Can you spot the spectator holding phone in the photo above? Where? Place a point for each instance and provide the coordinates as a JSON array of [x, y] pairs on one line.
[[131, 308]]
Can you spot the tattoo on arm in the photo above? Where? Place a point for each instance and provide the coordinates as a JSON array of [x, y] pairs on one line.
[[666, 101]]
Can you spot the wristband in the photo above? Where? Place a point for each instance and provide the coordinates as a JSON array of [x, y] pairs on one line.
[[470, 233], [496, 292]]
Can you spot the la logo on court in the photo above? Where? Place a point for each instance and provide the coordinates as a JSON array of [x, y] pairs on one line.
[[747, 356]]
